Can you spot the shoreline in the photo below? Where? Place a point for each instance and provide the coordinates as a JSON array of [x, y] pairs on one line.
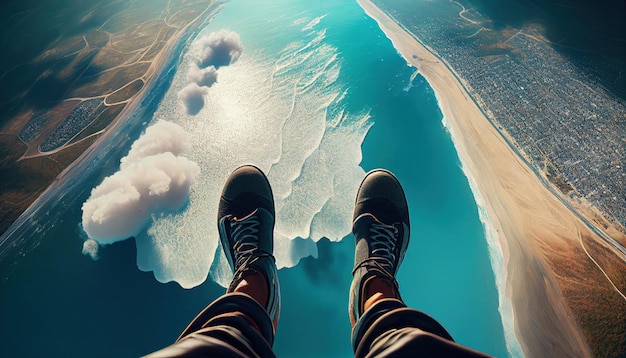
[[531, 223], [10, 238]]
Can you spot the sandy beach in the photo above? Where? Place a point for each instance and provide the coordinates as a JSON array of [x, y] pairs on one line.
[[558, 291]]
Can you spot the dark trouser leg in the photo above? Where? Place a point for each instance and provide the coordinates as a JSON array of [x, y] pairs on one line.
[[389, 328], [234, 325]]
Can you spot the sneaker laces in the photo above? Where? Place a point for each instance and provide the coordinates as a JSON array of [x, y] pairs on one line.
[[246, 243], [383, 244]]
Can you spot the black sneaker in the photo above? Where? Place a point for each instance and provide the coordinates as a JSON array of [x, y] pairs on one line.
[[246, 226], [381, 230]]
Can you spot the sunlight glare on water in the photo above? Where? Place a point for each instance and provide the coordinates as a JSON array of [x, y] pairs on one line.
[[286, 117]]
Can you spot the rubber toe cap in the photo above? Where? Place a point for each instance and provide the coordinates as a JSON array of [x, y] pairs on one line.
[[381, 195]]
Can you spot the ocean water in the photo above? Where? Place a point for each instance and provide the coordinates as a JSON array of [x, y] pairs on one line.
[[318, 97]]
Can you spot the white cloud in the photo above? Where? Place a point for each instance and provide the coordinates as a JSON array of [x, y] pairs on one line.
[[202, 76], [218, 49], [209, 53], [162, 137], [192, 97], [152, 179]]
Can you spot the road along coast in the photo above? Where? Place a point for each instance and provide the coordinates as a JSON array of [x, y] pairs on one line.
[[556, 289], [116, 137]]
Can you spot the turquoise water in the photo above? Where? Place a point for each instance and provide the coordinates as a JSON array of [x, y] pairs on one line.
[[110, 308]]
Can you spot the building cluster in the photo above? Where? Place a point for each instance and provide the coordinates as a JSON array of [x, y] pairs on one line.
[[81, 116], [557, 114]]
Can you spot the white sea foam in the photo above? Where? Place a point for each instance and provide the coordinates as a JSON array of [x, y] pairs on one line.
[[313, 23], [496, 255], [283, 115]]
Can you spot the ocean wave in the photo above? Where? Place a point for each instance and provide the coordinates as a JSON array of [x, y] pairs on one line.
[[313, 23], [282, 112]]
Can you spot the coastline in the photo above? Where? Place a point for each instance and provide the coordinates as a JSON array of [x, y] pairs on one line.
[[536, 233], [116, 132]]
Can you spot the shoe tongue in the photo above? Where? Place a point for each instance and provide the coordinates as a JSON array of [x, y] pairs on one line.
[[363, 230]]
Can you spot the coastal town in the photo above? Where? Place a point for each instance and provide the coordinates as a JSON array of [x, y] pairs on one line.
[[567, 124], [541, 141]]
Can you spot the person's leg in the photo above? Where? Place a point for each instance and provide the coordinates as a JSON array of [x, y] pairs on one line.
[[382, 324], [241, 323]]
